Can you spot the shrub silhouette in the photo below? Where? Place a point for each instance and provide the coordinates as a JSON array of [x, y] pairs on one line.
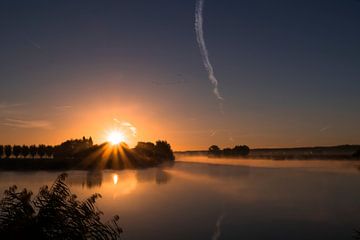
[[55, 213]]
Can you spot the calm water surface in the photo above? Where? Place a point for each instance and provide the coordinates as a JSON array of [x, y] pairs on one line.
[[200, 198]]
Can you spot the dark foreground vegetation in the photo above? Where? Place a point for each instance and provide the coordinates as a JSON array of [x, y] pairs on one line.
[[83, 154], [55, 213]]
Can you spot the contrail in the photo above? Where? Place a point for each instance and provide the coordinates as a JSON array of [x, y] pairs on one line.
[[217, 231], [203, 50]]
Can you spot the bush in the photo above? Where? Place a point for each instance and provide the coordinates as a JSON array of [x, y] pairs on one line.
[[55, 213]]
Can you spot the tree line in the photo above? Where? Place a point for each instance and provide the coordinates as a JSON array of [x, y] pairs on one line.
[[83, 154], [25, 151], [82, 148], [42, 150], [238, 150]]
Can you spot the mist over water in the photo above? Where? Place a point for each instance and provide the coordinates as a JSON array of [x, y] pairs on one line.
[[309, 165]]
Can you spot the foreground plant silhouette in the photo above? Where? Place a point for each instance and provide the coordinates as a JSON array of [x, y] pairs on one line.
[[55, 213]]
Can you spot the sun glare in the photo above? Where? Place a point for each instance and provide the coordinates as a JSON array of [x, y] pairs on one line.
[[116, 137]]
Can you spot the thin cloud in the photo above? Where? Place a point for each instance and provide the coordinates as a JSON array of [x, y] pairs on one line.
[[4, 105], [18, 123], [63, 108], [127, 126], [325, 128], [7, 109], [131, 127], [203, 50]]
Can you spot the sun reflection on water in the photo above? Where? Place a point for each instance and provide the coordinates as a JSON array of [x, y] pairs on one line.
[[120, 184], [115, 179]]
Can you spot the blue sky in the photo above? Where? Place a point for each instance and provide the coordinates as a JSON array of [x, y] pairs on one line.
[[288, 71]]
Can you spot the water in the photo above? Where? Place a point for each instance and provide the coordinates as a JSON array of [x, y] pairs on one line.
[[200, 198]]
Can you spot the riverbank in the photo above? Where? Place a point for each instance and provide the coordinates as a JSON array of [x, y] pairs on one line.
[[343, 152]]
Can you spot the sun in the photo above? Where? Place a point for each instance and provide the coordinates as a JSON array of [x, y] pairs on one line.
[[115, 137]]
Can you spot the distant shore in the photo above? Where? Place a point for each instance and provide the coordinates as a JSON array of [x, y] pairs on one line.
[[136, 161], [340, 152]]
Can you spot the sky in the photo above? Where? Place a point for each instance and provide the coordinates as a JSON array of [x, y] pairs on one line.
[[288, 72]]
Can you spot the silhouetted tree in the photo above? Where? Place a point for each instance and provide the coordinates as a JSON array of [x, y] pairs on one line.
[[49, 151], [55, 213], [33, 151], [241, 150], [16, 150], [214, 150], [87, 142], [41, 150], [25, 151], [71, 148], [8, 151], [163, 151], [1, 151], [146, 149]]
